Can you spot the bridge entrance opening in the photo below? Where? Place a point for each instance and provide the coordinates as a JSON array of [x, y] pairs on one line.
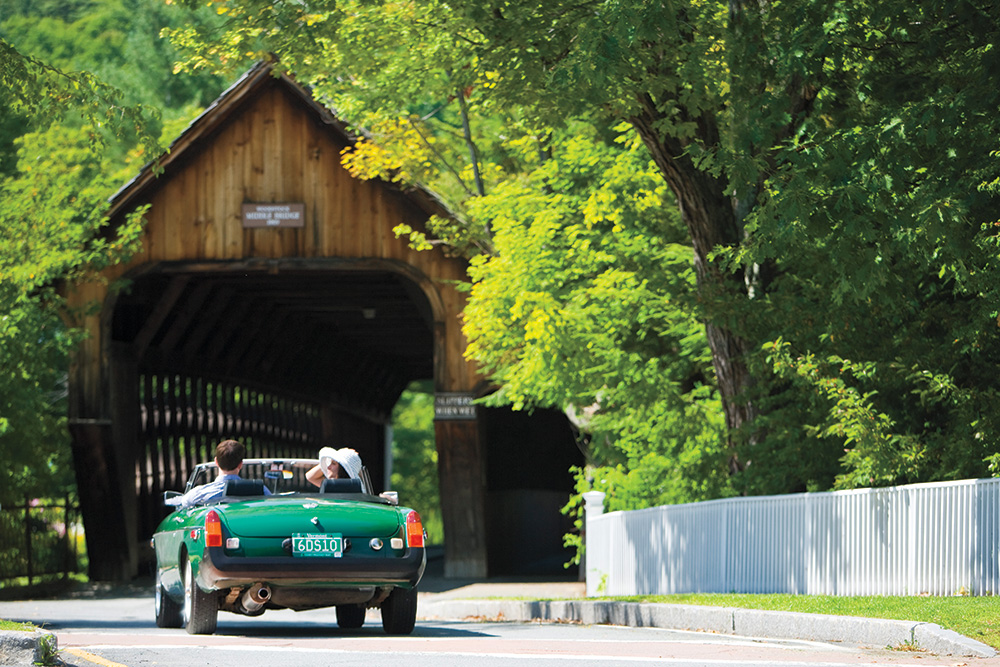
[[283, 359]]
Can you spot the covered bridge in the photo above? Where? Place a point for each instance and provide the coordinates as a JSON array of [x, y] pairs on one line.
[[272, 302]]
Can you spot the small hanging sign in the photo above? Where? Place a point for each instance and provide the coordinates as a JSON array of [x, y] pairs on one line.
[[454, 405], [274, 215]]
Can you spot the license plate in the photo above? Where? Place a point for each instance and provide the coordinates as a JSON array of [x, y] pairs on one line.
[[318, 545]]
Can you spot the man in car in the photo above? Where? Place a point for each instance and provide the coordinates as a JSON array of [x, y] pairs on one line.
[[229, 457]]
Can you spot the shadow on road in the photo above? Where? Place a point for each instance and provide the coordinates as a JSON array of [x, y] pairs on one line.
[[264, 630]]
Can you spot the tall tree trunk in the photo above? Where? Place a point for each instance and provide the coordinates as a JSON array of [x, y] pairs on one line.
[[711, 222]]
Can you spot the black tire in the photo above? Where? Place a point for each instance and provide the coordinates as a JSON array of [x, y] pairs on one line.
[[201, 610], [168, 612], [350, 616], [399, 611]]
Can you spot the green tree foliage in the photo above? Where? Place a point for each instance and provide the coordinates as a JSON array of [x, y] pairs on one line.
[[834, 169], [406, 75], [589, 303], [106, 61], [881, 222], [32, 437], [42, 95], [414, 457], [51, 222], [75, 120], [49, 229], [822, 149], [403, 74]]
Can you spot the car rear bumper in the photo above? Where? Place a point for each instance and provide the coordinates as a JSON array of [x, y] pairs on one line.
[[219, 570]]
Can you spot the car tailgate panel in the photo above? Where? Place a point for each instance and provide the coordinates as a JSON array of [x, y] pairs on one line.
[[278, 517]]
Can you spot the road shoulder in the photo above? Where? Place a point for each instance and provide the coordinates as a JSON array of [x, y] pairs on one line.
[[874, 633]]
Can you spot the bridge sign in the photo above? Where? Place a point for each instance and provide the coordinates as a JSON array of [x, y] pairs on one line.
[[274, 215], [454, 406]]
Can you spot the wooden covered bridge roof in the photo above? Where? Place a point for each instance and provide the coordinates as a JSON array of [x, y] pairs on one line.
[[268, 306]]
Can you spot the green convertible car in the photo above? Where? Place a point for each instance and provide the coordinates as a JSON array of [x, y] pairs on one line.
[[275, 541]]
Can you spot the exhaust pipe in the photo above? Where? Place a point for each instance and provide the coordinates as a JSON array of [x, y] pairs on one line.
[[255, 597]]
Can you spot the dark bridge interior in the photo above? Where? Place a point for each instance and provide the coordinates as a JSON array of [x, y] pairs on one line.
[[280, 358], [355, 338]]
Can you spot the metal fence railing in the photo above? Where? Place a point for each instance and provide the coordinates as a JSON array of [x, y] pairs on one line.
[[936, 539], [39, 538]]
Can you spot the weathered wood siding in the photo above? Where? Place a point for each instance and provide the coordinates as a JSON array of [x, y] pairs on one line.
[[278, 151]]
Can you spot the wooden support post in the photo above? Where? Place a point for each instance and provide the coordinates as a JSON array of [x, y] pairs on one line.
[[462, 486], [27, 535], [69, 563], [101, 501], [125, 428]]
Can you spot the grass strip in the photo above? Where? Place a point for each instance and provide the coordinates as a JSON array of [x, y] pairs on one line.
[[16, 626], [975, 617]]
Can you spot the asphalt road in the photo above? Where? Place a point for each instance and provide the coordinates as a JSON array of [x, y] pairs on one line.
[[117, 629], [459, 643]]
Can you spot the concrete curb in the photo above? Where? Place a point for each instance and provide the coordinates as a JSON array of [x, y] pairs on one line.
[[25, 648], [723, 620]]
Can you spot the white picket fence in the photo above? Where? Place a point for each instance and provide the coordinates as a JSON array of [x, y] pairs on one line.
[[936, 539]]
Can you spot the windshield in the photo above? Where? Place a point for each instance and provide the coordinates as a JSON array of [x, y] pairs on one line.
[[279, 475]]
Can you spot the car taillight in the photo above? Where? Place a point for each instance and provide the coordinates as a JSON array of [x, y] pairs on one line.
[[414, 530], [213, 530]]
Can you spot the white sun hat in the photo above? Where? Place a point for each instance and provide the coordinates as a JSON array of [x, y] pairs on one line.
[[349, 460]]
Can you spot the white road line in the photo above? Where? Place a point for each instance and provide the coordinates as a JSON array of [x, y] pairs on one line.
[[488, 654]]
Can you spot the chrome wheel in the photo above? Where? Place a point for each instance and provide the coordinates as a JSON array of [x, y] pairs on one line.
[[201, 610]]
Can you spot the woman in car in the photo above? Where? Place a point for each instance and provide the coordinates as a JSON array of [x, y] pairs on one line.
[[335, 464]]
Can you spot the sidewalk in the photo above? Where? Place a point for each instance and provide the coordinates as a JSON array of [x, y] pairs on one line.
[[527, 600]]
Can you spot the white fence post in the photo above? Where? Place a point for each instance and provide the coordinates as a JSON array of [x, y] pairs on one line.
[[596, 550]]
